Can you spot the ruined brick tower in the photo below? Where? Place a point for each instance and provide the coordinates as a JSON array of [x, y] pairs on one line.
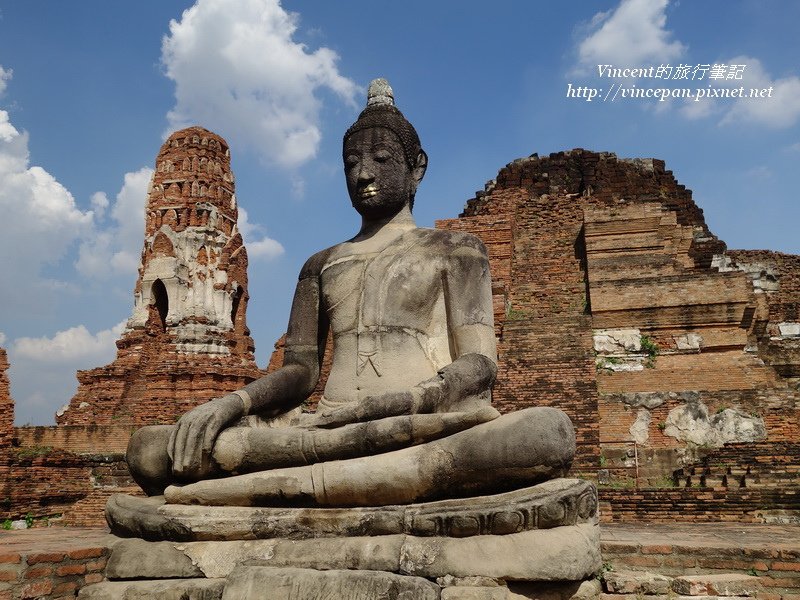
[[187, 340], [6, 405]]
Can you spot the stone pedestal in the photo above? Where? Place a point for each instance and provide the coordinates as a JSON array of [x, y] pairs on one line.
[[538, 542]]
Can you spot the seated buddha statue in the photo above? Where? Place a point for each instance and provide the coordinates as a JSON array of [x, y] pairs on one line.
[[406, 414]]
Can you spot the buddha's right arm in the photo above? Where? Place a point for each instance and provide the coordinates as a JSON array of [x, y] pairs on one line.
[[288, 386]]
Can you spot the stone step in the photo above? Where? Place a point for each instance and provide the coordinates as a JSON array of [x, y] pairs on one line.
[[164, 589], [290, 583], [636, 582]]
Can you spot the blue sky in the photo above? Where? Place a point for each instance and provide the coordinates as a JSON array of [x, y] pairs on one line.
[[89, 89]]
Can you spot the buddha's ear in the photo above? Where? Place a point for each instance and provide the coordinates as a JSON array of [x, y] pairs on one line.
[[420, 168]]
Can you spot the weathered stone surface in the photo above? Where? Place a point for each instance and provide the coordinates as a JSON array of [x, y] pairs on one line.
[[722, 584], [617, 341], [562, 553], [640, 427], [691, 422], [158, 561], [173, 589], [310, 584], [636, 582], [789, 329], [514, 450], [689, 341], [554, 503]]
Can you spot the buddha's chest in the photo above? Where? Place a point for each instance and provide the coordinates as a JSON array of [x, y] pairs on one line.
[[388, 289]]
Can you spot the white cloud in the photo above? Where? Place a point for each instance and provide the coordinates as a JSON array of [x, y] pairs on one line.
[[298, 187], [238, 71], [100, 203], [75, 346], [265, 247], [43, 369], [116, 248], [45, 223], [5, 75], [780, 110], [759, 172], [2, 338], [632, 35]]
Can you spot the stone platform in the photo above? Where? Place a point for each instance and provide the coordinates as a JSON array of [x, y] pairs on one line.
[[32, 561], [546, 534]]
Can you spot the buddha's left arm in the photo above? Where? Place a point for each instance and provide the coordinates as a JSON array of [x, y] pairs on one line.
[[467, 288]]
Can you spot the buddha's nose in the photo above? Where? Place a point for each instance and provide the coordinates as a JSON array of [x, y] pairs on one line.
[[365, 174]]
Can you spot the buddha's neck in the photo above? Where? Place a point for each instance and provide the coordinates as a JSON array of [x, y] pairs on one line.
[[400, 222]]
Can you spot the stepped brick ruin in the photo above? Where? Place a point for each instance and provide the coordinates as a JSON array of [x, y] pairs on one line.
[[616, 303], [187, 340]]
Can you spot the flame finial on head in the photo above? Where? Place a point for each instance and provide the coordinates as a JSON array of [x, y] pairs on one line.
[[380, 92]]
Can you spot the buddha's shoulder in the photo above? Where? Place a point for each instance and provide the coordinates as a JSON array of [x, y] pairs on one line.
[[315, 264], [451, 241]]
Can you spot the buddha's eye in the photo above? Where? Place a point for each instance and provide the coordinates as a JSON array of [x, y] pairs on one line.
[[383, 155], [351, 161]]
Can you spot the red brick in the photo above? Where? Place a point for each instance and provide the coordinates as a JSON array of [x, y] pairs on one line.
[[679, 561], [9, 575], [93, 578], [36, 589], [87, 553], [784, 566], [783, 582], [96, 565], [41, 571], [40, 557], [657, 549], [65, 586], [78, 569], [9, 557]]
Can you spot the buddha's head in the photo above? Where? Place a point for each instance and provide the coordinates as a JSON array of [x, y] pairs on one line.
[[383, 159]]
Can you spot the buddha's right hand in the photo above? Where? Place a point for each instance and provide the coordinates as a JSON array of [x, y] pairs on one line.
[[193, 438]]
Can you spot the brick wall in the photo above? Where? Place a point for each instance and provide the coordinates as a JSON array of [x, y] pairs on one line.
[[51, 569], [80, 439], [51, 482]]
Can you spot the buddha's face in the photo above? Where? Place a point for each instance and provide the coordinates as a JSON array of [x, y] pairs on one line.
[[379, 180]]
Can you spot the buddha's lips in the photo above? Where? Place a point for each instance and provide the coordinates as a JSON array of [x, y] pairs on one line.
[[368, 192]]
